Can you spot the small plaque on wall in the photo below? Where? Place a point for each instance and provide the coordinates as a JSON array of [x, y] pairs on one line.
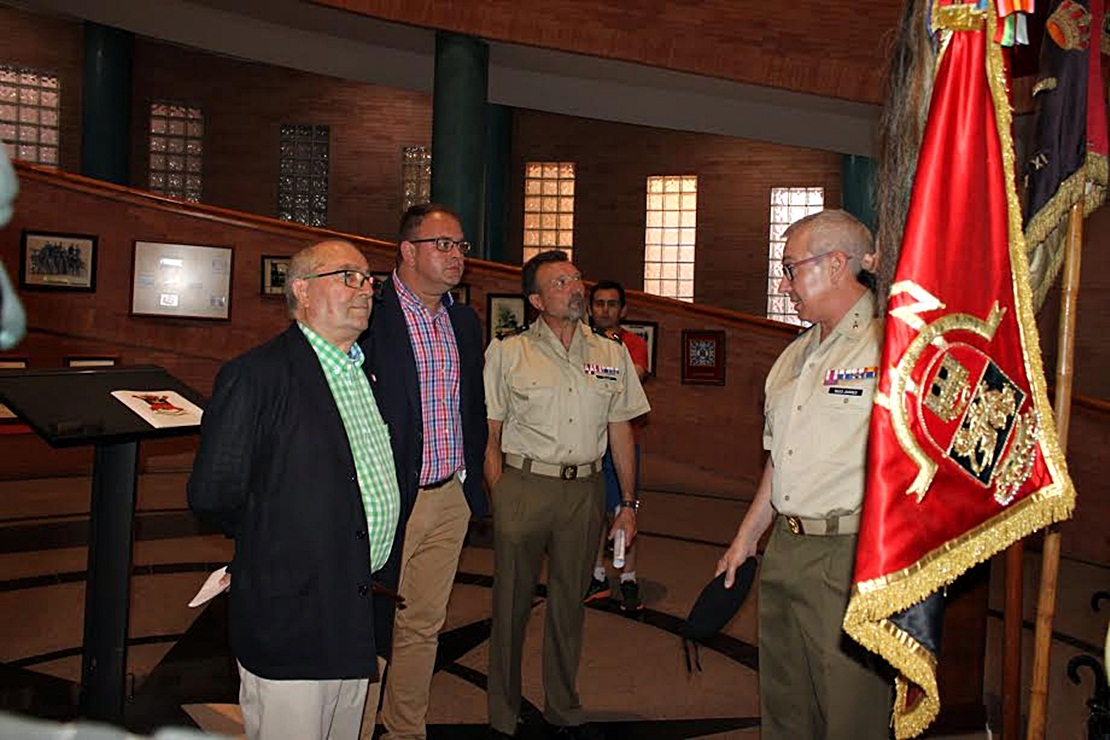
[[181, 281], [703, 357]]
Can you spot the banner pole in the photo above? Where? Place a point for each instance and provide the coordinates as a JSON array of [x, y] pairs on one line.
[[1011, 641], [1050, 557]]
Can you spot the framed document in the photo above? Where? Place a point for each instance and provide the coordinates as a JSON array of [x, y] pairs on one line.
[[185, 281]]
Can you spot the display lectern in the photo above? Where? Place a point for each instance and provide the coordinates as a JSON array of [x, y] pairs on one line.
[[72, 407]]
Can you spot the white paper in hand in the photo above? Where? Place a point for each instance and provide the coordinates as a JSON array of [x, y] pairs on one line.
[[218, 582]]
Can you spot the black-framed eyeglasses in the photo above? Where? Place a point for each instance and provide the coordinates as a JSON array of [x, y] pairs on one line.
[[444, 243], [351, 278], [789, 269]]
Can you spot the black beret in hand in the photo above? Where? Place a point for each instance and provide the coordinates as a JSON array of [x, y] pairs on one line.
[[716, 606]]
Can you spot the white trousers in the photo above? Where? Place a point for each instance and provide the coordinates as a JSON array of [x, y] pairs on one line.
[[301, 710]]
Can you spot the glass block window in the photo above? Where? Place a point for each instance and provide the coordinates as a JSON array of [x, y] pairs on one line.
[[176, 150], [416, 176], [670, 236], [787, 206], [30, 107], [303, 174], [548, 208]]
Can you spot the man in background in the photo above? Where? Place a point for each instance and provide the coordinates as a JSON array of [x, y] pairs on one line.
[[814, 681], [556, 394], [294, 464], [424, 353], [607, 309]]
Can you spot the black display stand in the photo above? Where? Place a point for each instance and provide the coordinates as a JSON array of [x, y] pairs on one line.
[[74, 407]]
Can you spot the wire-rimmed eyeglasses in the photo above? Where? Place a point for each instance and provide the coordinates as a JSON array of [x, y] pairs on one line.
[[351, 278], [444, 243], [788, 269]]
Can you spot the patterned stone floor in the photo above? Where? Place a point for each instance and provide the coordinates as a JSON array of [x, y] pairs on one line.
[[633, 679]]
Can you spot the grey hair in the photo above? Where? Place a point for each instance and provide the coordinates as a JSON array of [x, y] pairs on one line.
[[303, 263], [834, 230]]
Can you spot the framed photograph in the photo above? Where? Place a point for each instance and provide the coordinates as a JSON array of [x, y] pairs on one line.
[[91, 360], [505, 314], [649, 332], [10, 362], [274, 270], [54, 261], [186, 281], [461, 293], [380, 279], [703, 357]]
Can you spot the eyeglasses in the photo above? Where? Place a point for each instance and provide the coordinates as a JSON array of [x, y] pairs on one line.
[[789, 269], [561, 282], [444, 243], [351, 278]]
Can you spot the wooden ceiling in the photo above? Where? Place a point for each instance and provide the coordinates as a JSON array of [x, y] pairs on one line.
[[831, 49]]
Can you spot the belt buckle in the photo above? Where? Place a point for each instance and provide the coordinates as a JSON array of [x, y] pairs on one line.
[[795, 525], [568, 472]]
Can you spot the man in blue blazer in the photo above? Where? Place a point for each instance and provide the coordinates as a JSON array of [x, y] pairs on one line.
[[295, 464], [424, 353]]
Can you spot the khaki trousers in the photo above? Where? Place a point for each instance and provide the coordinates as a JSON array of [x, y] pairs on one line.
[[434, 538], [532, 516], [304, 710], [815, 682]]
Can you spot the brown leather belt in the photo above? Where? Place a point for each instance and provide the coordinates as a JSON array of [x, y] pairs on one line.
[[552, 470], [826, 527]]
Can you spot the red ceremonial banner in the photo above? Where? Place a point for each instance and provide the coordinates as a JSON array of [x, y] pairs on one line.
[[963, 455]]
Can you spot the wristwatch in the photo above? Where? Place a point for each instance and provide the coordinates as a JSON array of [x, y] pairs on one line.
[[633, 504]]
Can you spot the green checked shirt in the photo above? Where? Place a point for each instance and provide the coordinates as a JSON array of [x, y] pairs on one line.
[[369, 438]]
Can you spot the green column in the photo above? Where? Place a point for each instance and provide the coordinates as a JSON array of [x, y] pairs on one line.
[[499, 147], [858, 188], [106, 106], [459, 129]]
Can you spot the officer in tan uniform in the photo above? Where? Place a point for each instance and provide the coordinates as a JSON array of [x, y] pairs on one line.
[[556, 394], [814, 681]]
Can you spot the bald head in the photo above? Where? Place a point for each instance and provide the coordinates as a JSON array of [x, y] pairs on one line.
[[328, 291], [309, 261]]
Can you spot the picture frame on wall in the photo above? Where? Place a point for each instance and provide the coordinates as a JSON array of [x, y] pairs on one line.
[[90, 360], [11, 362], [50, 260], [184, 281], [506, 315], [381, 277], [649, 332], [703, 357], [461, 293], [275, 271]]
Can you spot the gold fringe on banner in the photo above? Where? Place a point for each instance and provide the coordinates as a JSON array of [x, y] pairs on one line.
[[874, 602]]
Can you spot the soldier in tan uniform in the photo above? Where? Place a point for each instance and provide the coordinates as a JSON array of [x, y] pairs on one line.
[[814, 681], [556, 394]]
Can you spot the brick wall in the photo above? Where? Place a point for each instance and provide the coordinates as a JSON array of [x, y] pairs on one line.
[[54, 46], [244, 105], [613, 162], [809, 46]]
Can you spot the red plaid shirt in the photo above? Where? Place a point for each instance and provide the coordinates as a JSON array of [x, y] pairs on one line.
[[437, 369]]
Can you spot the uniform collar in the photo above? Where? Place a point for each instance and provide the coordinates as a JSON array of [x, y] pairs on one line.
[[545, 333], [859, 316]]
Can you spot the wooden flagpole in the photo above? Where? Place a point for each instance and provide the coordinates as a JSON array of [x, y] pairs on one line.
[[1012, 608], [1050, 557]]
